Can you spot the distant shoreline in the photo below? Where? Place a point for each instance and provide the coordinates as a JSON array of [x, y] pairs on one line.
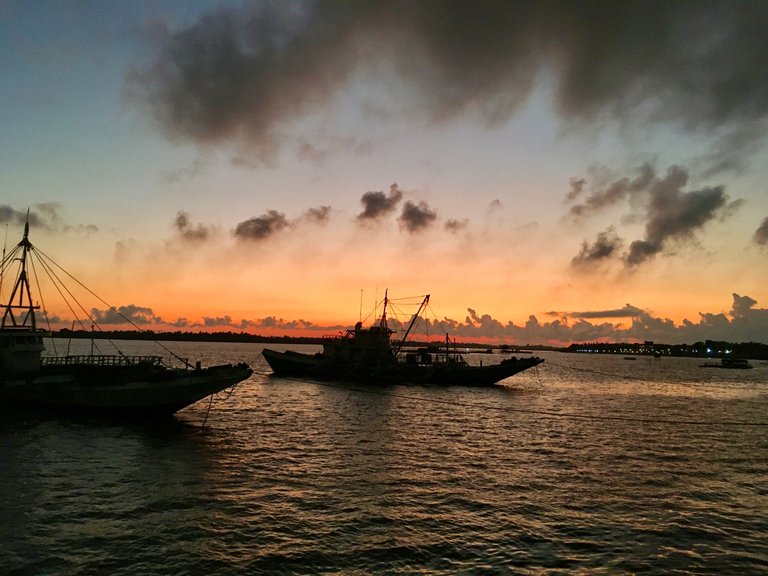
[[706, 349]]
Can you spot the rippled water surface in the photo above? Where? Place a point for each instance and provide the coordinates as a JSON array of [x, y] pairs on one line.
[[589, 464]]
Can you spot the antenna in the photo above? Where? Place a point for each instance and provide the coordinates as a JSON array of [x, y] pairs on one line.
[[361, 304]]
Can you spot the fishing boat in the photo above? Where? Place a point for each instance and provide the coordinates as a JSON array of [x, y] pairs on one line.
[[369, 355], [90, 382]]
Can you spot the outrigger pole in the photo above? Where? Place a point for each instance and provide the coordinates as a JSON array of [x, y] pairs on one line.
[[410, 326]]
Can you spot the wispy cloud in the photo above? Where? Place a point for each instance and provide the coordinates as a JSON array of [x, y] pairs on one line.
[[318, 214], [453, 225], [761, 234], [187, 230]]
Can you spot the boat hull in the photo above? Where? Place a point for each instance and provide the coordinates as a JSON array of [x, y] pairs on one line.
[[117, 389], [297, 365]]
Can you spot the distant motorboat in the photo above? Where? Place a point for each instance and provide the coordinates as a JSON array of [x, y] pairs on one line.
[[368, 355], [729, 363], [90, 382]]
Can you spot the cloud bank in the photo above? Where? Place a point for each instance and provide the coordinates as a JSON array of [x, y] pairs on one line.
[[745, 322], [238, 75]]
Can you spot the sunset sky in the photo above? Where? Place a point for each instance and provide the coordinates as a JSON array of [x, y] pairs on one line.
[[549, 172]]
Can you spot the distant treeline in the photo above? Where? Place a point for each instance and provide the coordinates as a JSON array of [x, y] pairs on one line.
[[706, 349], [179, 336]]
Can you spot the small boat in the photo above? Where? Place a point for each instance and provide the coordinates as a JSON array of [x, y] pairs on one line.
[[729, 363], [368, 355], [91, 382]]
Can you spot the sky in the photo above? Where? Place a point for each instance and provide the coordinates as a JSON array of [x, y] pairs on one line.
[[550, 172]]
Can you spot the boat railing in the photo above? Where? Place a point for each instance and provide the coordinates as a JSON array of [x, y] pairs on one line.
[[101, 360]]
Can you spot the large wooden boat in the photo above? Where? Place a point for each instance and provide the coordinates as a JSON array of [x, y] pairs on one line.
[[370, 355], [91, 382]]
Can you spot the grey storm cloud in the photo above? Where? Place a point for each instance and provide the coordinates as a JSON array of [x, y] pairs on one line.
[[670, 213], [761, 234], [605, 246], [237, 73], [130, 314], [416, 217], [189, 231], [377, 204], [261, 227]]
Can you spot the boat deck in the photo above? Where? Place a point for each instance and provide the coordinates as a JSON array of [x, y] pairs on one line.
[[101, 360]]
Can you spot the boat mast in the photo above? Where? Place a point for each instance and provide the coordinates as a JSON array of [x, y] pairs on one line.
[[21, 288], [413, 321], [383, 321]]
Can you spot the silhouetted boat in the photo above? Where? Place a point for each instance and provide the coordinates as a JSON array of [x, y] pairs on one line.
[[369, 355], [90, 382], [729, 363]]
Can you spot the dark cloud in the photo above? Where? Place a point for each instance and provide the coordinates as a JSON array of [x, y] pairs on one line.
[[416, 217], [261, 227], [130, 314], [612, 194], [318, 214], [216, 322], [46, 215], [604, 247], [236, 74], [628, 311], [761, 234], [9, 215], [674, 214], [669, 212], [377, 204], [577, 188], [454, 226], [187, 230], [744, 323]]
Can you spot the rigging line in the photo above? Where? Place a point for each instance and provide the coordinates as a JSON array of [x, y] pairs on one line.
[[42, 300], [108, 305], [549, 413], [59, 285], [413, 300]]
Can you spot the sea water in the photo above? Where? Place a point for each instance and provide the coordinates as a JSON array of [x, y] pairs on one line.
[[586, 464]]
